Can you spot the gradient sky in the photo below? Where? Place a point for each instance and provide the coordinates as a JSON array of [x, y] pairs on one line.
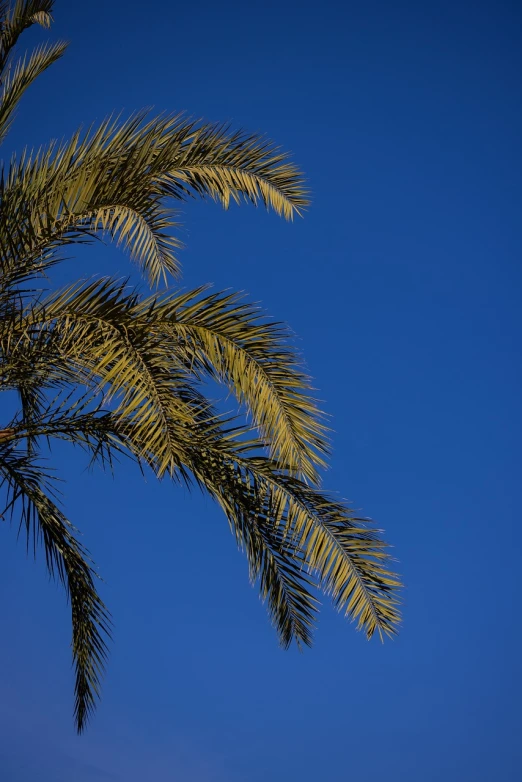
[[403, 283]]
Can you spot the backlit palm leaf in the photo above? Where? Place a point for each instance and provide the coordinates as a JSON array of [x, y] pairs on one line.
[[230, 340], [118, 179]]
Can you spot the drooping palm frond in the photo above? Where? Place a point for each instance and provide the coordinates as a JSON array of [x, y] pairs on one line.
[[229, 166], [117, 179], [230, 340], [290, 528], [25, 481], [22, 74], [343, 551]]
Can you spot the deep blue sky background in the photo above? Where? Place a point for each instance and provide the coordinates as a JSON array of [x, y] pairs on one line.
[[403, 282]]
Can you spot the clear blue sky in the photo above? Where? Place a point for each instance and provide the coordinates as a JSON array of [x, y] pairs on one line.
[[403, 283]]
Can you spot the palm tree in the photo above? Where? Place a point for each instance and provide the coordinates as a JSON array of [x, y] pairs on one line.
[[104, 367]]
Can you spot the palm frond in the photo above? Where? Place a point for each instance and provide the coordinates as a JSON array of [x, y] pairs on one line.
[[21, 76], [342, 551], [282, 523], [231, 166], [231, 341], [44, 522], [275, 561], [143, 235], [117, 178], [94, 339]]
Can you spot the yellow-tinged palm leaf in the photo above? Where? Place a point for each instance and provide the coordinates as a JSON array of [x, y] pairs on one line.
[[145, 238], [90, 328], [118, 179], [343, 551], [21, 75], [283, 523], [230, 166], [255, 358]]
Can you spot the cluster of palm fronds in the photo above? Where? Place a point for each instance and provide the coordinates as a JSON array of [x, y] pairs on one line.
[[140, 363]]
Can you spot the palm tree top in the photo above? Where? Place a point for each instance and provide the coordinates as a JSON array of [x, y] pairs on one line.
[[114, 371]]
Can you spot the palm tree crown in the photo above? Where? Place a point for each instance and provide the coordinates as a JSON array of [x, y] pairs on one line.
[[103, 366]]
